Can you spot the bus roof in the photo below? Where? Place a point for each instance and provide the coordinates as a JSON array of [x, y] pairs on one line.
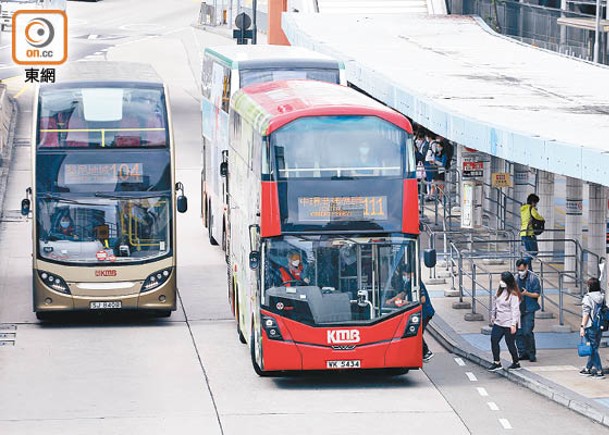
[[270, 56], [269, 106], [108, 72]]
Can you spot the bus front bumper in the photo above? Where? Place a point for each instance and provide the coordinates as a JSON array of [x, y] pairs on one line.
[[162, 298], [403, 353]]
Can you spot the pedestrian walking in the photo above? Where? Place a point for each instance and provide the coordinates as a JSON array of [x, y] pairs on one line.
[[528, 212], [530, 292], [592, 302], [428, 313], [505, 316]]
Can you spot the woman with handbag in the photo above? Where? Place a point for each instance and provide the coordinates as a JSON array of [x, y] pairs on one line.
[[591, 303], [505, 317]]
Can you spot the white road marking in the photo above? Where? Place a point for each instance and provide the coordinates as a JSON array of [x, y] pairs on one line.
[[472, 377], [482, 391], [460, 362], [505, 423], [493, 406]]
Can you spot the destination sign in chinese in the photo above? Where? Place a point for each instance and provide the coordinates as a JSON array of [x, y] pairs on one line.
[[342, 208], [103, 173]]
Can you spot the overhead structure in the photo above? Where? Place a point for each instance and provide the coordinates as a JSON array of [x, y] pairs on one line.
[[458, 78]]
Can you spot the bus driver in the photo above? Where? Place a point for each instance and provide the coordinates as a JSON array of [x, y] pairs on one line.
[[293, 274]]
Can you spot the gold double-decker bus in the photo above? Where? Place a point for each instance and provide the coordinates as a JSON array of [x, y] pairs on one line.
[[104, 195]]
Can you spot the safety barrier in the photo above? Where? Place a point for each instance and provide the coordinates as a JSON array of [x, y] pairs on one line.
[[6, 111]]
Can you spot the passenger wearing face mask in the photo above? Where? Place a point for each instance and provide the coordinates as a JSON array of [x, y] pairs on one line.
[[505, 316], [530, 288], [402, 286], [293, 274]]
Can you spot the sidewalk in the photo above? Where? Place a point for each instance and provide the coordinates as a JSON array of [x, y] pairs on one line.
[[555, 375]]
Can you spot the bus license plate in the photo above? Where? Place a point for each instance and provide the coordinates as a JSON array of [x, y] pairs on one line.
[[105, 305], [345, 364]]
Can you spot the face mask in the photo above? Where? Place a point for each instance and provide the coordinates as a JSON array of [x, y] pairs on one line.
[[295, 263], [406, 279], [64, 224], [502, 284], [522, 273]]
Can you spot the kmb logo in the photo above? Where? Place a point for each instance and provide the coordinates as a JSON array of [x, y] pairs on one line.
[[40, 37], [343, 336], [106, 272]]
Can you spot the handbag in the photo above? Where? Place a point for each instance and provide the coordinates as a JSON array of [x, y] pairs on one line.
[[536, 225], [584, 348]]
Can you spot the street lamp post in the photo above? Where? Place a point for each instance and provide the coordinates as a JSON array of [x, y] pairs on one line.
[[254, 27], [597, 31]]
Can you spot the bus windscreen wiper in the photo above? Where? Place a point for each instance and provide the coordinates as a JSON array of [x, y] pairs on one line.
[[132, 195]]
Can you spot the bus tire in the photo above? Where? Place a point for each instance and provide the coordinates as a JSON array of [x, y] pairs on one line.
[[395, 371], [255, 365], [45, 316], [212, 241], [236, 312]]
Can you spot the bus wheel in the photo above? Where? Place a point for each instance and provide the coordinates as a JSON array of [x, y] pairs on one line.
[[212, 241], [45, 316], [253, 345], [236, 312], [395, 372]]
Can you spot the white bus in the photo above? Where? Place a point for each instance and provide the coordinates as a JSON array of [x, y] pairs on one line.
[[225, 70]]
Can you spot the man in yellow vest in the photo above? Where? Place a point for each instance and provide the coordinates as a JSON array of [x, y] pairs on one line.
[[527, 235]]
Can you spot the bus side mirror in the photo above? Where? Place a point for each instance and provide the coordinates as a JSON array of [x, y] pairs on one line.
[[25, 207], [254, 260], [429, 258], [182, 202], [26, 204], [223, 169]]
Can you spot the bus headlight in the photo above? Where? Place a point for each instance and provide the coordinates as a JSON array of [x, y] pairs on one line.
[[272, 329], [156, 279], [54, 282], [412, 327]]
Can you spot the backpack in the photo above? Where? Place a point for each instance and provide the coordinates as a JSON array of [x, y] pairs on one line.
[[600, 317], [536, 225]]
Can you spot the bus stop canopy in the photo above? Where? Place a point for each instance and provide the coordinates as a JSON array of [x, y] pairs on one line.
[[455, 76]]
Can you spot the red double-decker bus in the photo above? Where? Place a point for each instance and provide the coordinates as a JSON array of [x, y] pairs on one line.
[[324, 255]]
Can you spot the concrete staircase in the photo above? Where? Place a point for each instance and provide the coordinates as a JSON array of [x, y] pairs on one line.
[[373, 6]]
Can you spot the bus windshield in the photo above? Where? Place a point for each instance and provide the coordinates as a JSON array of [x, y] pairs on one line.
[[341, 146], [332, 279], [99, 117], [102, 229], [251, 76]]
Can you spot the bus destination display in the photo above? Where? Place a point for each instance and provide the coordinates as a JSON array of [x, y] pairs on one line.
[[103, 173], [342, 208]]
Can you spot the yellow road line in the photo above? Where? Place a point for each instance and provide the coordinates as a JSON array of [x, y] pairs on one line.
[[21, 91]]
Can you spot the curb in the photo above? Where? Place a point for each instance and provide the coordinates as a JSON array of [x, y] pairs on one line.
[[7, 158], [453, 342]]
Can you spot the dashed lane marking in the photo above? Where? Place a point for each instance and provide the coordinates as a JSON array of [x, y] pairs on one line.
[[460, 362], [493, 406], [472, 377], [482, 391], [505, 423]]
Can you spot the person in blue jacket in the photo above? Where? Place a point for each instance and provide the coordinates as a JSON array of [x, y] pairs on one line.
[[428, 312], [530, 290]]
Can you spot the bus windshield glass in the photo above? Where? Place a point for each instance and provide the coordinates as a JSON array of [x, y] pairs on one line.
[[251, 76], [104, 229], [100, 117], [341, 147], [332, 279]]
